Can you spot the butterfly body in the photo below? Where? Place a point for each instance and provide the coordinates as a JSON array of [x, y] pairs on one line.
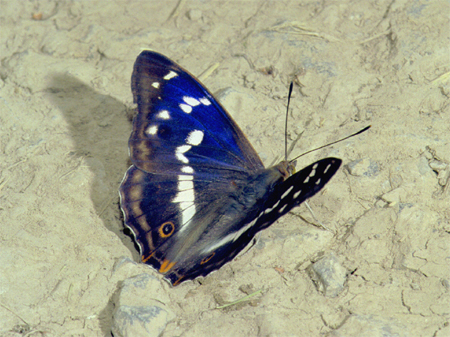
[[197, 192]]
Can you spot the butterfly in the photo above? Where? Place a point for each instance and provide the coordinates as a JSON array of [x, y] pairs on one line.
[[197, 192]]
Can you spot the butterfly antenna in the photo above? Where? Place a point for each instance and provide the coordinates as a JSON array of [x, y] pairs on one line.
[[286, 125], [336, 141]]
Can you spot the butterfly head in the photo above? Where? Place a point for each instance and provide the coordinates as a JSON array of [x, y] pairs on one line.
[[286, 168]]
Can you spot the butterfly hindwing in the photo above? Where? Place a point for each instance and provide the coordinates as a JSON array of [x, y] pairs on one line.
[[159, 209], [277, 202]]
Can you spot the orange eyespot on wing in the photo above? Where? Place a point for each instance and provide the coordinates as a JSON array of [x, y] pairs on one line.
[[166, 229]]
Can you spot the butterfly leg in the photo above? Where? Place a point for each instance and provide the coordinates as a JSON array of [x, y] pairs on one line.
[[315, 218]]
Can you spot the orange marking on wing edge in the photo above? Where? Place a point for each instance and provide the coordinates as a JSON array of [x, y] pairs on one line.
[[206, 259], [145, 259], [166, 266], [177, 282]]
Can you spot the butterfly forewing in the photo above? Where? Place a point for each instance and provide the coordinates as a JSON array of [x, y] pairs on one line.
[[179, 122], [296, 189]]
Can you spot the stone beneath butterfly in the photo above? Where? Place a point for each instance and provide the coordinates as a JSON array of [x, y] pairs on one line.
[[197, 192]]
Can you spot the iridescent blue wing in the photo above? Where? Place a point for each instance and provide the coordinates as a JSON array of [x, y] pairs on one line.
[[180, 123], [187, 153]]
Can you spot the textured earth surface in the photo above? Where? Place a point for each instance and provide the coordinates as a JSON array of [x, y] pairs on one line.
[[65, 102]]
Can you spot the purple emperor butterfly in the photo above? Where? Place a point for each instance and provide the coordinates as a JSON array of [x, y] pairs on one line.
[[197, 192]]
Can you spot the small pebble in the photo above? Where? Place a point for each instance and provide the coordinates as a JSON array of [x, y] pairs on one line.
[[140, 309], [194, 14], [329, 275], [363, 167]]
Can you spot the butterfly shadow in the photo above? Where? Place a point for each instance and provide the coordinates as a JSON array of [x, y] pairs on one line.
[[99, 127]]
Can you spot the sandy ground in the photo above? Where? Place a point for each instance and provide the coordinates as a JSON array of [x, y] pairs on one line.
[[65, 102]]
